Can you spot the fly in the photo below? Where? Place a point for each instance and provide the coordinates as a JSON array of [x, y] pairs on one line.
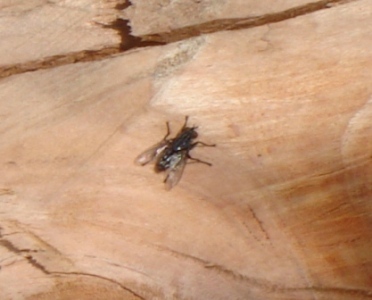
[[171, 155]]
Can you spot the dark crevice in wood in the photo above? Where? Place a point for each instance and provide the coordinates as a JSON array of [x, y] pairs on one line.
[[129, 42], [9, 246], [58, 60], [32, 261], [239, 23]]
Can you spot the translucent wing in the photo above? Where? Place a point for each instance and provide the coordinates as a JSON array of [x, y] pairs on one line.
[[150, 154], [175, 171]]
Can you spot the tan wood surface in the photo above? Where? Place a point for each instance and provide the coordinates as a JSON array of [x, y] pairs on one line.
[[285, 212]]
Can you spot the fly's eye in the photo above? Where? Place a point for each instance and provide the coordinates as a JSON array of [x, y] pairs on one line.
[[194, 134]]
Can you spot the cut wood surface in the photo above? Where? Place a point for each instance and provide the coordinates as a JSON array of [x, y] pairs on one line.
[[166, 16], [37, 29], [285, 211]]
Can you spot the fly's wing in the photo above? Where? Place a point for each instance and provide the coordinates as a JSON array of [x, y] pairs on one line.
[[150, 154], [175, 171]]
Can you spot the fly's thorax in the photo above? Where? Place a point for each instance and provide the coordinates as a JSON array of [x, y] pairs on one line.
[[169, 159], [184, 139]]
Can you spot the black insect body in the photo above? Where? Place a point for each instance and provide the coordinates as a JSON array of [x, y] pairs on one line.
[[171, 155], [182, 142]]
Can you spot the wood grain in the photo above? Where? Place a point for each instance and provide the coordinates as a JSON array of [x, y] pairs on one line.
[[283, 213]]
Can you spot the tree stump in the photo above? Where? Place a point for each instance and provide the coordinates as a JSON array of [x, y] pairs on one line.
[[285, 91]]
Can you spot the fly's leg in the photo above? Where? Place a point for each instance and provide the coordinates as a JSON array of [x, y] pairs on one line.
[[196, 160], [202, 144], [168, 131], [184, 124]]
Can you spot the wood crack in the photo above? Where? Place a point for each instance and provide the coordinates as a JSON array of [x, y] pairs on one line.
[[240, 23], [265, 285], [259, 223], [9, 246], [36, 264], [129, 42], [33, 262]]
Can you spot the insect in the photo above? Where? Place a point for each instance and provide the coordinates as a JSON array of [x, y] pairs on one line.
[[171, 155]]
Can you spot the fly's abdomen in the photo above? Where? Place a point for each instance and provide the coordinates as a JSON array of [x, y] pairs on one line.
[[164, 161]]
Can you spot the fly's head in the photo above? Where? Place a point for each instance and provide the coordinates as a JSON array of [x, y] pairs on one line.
[[189, 132], [193, 133]]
